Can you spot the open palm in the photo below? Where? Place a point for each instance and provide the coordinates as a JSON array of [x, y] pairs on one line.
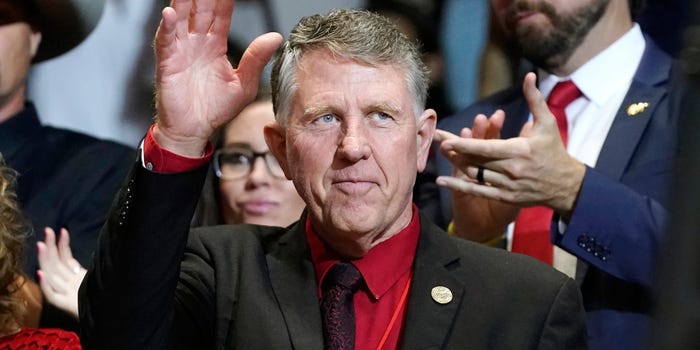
[[198, 90]]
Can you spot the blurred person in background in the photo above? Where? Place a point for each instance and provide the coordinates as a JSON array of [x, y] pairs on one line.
[[65, 179], [245, 184], [20, 300]]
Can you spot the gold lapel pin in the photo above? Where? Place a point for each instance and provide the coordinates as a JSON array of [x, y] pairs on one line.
[[636, 108], [441, 295]]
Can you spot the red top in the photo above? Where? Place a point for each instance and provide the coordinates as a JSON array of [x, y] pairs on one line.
[[386, 268], [41, 339]]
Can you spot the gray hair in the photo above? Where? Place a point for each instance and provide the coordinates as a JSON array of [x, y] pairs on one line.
[[354, 34]]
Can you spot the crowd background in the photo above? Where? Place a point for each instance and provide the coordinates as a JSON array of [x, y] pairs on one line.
[[104, 86]]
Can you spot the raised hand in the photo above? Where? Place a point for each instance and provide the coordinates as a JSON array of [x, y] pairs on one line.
[[198, 90], [59, 273], [474, 217], [532, 169]]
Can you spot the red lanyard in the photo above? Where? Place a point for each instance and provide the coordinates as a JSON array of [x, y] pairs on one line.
[[397, 311]]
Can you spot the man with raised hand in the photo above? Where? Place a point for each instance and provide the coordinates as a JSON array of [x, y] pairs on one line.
[[361, 268]]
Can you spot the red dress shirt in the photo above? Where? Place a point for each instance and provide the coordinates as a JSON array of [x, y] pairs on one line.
[[386, 269]]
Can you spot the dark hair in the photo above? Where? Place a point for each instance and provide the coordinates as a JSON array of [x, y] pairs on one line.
[[12, 11], [637, 7]]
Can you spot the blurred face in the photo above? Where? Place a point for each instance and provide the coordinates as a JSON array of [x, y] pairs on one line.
[[258, 197], [18, 44], [548, 31], [353, 146]]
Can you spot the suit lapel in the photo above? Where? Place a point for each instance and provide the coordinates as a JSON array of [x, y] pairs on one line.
[[427, 321], [293, 281], [626, 131], [627, 128]]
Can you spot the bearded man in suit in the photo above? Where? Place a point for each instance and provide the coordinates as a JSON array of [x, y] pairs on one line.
[[588, 190]]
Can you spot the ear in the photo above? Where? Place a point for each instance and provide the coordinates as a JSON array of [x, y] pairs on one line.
[[34, 41], [426, 126], [276, 139]]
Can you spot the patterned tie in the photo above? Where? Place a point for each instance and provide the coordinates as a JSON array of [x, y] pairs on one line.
[[339, 286], [532, 226]]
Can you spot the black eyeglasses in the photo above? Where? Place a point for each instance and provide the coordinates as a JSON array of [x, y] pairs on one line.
[[232, 163]]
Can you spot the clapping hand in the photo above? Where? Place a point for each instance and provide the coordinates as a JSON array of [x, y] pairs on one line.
[[531, 169], [59, 273]]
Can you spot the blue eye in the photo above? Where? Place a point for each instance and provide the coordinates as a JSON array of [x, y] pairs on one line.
[[381, 116], [327, 118]]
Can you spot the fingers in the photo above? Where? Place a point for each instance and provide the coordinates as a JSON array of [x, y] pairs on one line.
[[164, 42], [256, 56], [201, 15], [222, 20], [495, 124], [469, 187], [480, 126], [493, 149], [46, 251], [56, 258], [64, 251], [541, 115], [488, 177]]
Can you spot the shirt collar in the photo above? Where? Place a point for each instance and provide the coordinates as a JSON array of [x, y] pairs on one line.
[[381, 267], [606, 73]]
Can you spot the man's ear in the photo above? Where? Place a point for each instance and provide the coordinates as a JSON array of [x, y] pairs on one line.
[[276, 139], [425, 126]]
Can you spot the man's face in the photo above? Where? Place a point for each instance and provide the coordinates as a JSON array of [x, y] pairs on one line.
[[353, 146], [18, 45], [548, 31]]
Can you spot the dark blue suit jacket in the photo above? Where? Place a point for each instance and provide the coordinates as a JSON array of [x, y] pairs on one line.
[[617, 224]]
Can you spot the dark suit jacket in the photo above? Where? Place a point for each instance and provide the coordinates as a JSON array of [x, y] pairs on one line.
[[618, 222], [254, 287], [66, 179]]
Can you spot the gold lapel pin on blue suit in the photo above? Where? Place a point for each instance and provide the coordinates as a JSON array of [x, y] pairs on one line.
[[636, 108], [441, 294]]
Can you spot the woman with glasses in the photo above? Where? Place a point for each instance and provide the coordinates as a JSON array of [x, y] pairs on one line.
[[246, 184]]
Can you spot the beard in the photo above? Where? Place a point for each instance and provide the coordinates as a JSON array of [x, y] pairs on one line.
[[551, 46]]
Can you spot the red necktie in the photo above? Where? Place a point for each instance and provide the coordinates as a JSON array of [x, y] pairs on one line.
[[337, 308], [531, 235]]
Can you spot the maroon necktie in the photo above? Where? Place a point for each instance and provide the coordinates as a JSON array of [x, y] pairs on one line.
[[339, 285], [531, 235]]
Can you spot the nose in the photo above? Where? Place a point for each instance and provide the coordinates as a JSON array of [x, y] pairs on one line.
[[354, 145], [258, 175]]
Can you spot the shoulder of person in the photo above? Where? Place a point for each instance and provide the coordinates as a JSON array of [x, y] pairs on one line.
[[69, 140], [513, 269], [229, 238], [488, 105]]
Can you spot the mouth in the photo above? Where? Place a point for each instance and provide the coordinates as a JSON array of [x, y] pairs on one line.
[[525, 16], [256, 208], [353, 186]]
